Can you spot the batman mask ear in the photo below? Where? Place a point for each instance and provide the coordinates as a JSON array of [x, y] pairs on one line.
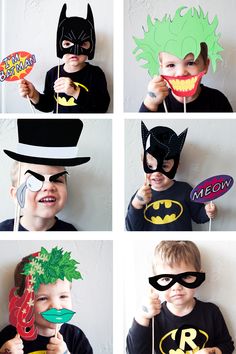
[[63, 14], [90, 16]]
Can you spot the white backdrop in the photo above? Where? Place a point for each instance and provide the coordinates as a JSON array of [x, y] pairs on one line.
[[89, 205], [218, 261], [136, 78], [91, 297], [31, 26], [209, 150]]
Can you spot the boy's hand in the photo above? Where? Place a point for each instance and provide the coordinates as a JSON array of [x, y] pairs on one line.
[[214, 350], [26, 88], [150, 308], [13, 346], [157, 92], [67, 86], [57, 345], [211, 210], [142, 197]]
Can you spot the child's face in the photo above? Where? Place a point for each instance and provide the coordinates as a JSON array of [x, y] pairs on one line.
[[177, 296], [58, 296], [158, 180], [51, 198]]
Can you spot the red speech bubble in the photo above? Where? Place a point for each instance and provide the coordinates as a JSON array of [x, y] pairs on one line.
[[211, 188], [16, 66]]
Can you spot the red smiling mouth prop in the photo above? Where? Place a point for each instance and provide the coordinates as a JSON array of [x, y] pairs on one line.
[[184, 86]]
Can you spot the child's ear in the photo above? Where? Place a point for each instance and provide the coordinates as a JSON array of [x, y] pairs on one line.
[[13, 192]]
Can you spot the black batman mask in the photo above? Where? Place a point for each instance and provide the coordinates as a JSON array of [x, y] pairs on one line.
[[163, 144], [76, 30]]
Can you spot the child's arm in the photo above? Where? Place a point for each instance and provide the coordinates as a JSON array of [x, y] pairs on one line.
[[157, 92], [57, 345], [26, 88], [214, 350], [211, 210], [13, 346]]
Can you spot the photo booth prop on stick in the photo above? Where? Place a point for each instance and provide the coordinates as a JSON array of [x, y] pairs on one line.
[[16, 66], [178, 36], [43, 267], [38, 144], [211, 189]]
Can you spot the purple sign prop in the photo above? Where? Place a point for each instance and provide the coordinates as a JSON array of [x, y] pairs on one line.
[[211, 188]]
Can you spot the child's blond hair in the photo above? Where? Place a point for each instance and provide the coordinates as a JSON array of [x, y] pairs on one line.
[[173, 253]]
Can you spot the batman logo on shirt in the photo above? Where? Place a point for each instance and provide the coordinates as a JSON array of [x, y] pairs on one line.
[[63, 101], [163, 211]]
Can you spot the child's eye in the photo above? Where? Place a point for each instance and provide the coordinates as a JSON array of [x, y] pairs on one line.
[[164, 281], [43, 298], [85, 45], [67, 44], [64, 296], [191, 63], [171, 65]]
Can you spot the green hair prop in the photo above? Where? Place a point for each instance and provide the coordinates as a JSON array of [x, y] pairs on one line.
[[178, 36], [47, 267]]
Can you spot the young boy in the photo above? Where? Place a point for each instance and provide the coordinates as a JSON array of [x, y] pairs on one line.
[[182, 323], [39, 182], [162, 203], [40, 304], [182, 52], [76, 86]]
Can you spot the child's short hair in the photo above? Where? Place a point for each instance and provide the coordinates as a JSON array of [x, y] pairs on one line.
[[174, 252]]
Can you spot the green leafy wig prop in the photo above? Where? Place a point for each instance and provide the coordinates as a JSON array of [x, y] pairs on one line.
[[178, 36], [42, 268]]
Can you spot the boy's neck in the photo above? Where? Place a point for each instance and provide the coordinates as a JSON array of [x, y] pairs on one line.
[[181, 310], [36, 223]]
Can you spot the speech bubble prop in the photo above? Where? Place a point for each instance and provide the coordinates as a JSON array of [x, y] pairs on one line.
[[184, 86], [58, 316], [211, 188], [16, 66]]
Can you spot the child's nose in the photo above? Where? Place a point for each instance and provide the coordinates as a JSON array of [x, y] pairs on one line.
[[55, 305], [176, 286], [181, 70], [47, 185]]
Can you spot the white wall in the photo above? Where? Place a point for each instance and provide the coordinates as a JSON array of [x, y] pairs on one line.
[[89, 205], [91, 297], [209, 150], [31, 26], [218, 261], [135, 17]]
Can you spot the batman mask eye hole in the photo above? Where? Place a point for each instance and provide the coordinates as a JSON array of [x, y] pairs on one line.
[[85, 45], [151, 162], [67, 44]]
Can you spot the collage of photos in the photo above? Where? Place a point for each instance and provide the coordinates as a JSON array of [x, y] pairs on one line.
[[117, 122]]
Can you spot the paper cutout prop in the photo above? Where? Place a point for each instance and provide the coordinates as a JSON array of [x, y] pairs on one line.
[[190, 280], [34, 183], [211, 188], [58, 316], [163, 144], [178, 36], [163, 211], [184, 86], [39, 144], [43, 268], [75, 31], [16, 66]]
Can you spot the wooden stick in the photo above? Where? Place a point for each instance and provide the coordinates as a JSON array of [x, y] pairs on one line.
[[58, 75], [164, 103], [153, 339], [185, 105], [57, 330], [31, 107], [17, 207], [210, 222]]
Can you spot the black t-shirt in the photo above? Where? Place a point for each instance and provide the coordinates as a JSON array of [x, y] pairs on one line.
[[59, 225], [168, 210], [93, 97], [75, 339], [203, 327], [209, 100]]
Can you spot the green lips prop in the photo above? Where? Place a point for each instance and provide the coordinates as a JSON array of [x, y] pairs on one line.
[[58, 316]]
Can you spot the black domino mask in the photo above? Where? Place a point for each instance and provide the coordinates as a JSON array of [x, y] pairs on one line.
[[189, 280], [163, 144]]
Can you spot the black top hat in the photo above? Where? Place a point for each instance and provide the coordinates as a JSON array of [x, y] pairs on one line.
[[48, 142]]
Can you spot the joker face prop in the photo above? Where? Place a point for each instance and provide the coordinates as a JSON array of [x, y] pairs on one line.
[[76, 35]]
